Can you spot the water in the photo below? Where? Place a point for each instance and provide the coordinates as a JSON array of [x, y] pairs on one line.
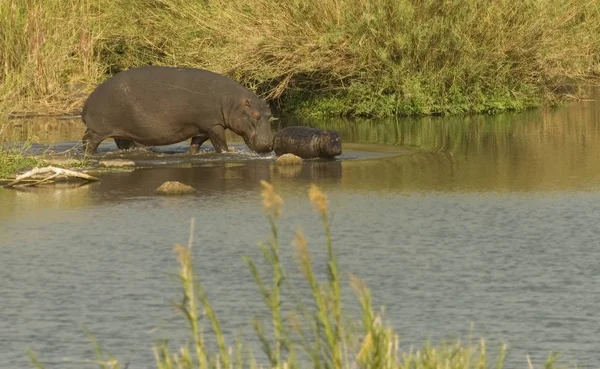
[[488, 223]]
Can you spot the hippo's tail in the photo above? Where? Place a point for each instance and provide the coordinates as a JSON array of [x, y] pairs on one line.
[[84, 111]]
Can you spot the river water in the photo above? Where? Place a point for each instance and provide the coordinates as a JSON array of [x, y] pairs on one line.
[[487, 225]]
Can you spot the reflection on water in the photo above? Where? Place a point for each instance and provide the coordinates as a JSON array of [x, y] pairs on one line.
[[532, 151], [545, 149], [490, 220], [43, 129], [52, 197], [55, 132], [574, 124]]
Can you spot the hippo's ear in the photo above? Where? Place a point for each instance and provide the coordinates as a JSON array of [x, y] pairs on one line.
[[247, 102]]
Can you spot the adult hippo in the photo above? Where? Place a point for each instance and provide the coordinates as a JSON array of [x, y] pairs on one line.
[[158, 105], [307, 142]]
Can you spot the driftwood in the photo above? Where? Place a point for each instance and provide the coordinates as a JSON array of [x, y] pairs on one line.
[[55, 173]]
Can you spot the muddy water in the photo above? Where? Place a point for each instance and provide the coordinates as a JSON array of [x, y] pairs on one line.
[[483, 221]]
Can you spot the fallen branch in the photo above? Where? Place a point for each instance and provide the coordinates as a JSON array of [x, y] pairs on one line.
[[55, 173]]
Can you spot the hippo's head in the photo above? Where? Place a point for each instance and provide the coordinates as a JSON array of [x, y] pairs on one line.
[[330, 144], [252, 121]]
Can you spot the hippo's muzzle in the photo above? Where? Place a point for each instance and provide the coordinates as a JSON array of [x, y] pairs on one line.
[[259, 145]]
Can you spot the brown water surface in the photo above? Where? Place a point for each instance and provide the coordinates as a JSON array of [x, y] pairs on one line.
[[451, 221]]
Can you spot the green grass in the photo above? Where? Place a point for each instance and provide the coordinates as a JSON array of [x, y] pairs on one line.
[[317, 334], [316, 57], [14, 159], [12, 162]]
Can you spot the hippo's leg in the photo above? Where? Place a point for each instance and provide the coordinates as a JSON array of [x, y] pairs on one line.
[[91, 140], [124, 144], [217, 137], [197, 141]]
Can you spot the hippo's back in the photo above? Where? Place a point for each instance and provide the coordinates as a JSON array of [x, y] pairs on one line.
[[153, 84], [157, 101]]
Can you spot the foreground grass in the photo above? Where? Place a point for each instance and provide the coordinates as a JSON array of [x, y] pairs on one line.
[[318, 334], [318, 57]]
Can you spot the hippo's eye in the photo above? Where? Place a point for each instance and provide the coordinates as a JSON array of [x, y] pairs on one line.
[[256, 115]]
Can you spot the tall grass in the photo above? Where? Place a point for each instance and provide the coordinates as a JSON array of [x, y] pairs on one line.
[[387, 57], [328, 57], [45, 50], [315, 335]]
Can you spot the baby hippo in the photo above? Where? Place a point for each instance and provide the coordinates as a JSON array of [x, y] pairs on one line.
[[307, 142]]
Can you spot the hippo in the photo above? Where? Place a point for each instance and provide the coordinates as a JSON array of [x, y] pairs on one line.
[[162, 105], [307, 142]]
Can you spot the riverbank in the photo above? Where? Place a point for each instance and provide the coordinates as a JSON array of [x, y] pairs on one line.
[[370, 58]]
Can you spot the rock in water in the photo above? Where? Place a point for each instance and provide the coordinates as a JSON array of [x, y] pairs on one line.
[[288, 159], [174, 188], [307, 142]]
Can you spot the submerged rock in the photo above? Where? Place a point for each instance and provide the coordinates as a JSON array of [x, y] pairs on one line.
[[116, 163], [288, 159], [174, 188], [289, 171]]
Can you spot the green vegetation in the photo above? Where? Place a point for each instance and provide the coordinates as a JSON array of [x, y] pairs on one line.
[[317, 57], [14, 159], [318, 334], [12, 162], [17, 138]]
